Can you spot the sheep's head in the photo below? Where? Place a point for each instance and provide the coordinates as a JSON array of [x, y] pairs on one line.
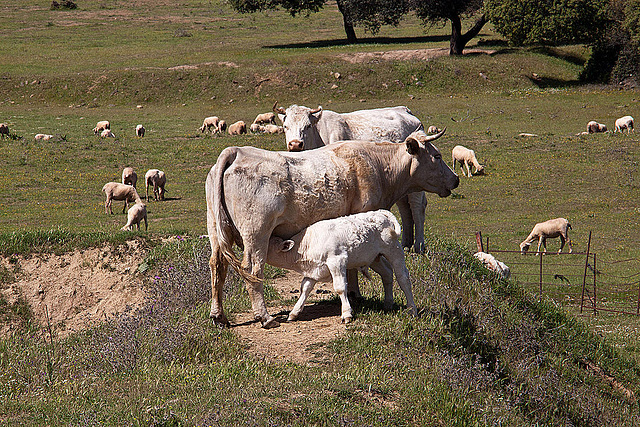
[[524, 247], [479, 170]]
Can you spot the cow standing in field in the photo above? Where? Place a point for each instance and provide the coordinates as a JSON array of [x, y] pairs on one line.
[[307, 129], [253, 194]]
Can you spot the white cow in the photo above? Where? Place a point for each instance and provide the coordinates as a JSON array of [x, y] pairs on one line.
[[253, 194], [306, 129], [326, 249]]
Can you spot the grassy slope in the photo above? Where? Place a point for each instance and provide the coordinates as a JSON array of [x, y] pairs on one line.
[[117, 55]]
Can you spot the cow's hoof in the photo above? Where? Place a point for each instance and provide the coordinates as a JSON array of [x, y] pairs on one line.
[[220, 321], [292, 317], [346, 320], [271, 322]]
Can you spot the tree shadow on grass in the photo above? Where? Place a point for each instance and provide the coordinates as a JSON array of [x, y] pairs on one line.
[[362, 40]]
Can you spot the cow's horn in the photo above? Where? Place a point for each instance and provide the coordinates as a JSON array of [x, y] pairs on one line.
[[430, 138], [280, 110], [316, 110]]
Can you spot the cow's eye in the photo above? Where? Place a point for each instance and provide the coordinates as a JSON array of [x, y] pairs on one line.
[[437, 156]]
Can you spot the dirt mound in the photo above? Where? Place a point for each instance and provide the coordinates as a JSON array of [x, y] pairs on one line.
[[405, 55], [78, 288]]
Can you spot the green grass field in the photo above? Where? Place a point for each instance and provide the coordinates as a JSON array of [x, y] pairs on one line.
[[62, 71]]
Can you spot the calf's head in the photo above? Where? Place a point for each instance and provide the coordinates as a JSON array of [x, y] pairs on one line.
[[299, 124], [428, 170]]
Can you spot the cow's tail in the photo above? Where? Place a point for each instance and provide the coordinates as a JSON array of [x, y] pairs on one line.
[[226, 232]]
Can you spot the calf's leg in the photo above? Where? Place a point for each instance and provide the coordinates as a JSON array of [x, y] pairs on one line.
[[382, 266], [339, 274], [305, 289]]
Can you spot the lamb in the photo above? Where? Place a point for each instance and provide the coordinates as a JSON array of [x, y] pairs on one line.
[[129, 177], [140, 131], [595, 127], [135, 215], [117, 191], [432, 129], [265, 118], [4, 129], [222, 125], [43, 137], [101, 126], [465, 156], [273, 129], [238, 128], [491, 263], [623, 123], [256, 128], [558, 227], [209, 123], [107, 134], [157, 179], [327, 249]]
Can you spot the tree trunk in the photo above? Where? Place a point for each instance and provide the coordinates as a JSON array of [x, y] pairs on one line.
[[348, 25], [459, 40]]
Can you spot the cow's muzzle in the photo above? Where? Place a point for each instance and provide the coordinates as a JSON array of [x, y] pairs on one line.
[[295, 145]]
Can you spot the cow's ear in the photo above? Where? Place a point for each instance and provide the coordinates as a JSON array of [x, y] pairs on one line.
[[413, 146], [287, 245]]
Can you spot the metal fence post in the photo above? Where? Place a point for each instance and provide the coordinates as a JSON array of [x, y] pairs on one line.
[[584, 278]]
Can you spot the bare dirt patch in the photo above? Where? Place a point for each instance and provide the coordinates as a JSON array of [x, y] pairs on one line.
[[79, 288], [405, 55]]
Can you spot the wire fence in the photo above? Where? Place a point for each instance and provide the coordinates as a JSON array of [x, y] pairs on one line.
[[579, 278]]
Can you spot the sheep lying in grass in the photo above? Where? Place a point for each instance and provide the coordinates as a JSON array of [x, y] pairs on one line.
[[129, 177], [465, 157], [328, 248], [238, 128], [273, 129], [432, 129], [43, 137], [107, 134], [135, 215], [558, 227], [210, 124], [140, 130], [101, 126], [595, 127], [623, 123], [491, 263], [117, 191], [157, 179], [4, 129]]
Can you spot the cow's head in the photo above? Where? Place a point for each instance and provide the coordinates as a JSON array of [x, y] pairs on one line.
[[299, 124], [428, 170]]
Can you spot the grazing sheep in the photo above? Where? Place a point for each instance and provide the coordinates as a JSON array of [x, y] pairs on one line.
[[491, 263], [135, 215], [43, 137], [432, 129], [623, 123], [107, 134], [558, 227], [465, 157], [238, 128], [265, 118], [595, 127], [117, 191], [140, 131], [222, 125], [157, 179], [100, 126], [328, 248], [209, 123], [129, 177], [4, 129]]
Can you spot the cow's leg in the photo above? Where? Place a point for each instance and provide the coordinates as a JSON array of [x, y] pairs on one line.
[[253, 262], [305, 289], [418, 204], [396, 258], [382, 266], [407, 221], [218, 265]]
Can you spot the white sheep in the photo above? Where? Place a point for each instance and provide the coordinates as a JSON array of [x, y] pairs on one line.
[[4, 129], [595, 127], [140, 131], [158, 180], [222, 125], [101, 126], [623, 123], [129, 177], [107, 134], [117, 191], [209, 123], [465, 157], [558, 227], [135, 215], [237, 128], [265, 118], [432, 129], [256, 128], [491, 263], [273, 129], [327, 249], [43, 137]]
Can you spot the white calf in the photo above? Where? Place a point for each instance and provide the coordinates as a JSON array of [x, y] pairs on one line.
[[327, 249]]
